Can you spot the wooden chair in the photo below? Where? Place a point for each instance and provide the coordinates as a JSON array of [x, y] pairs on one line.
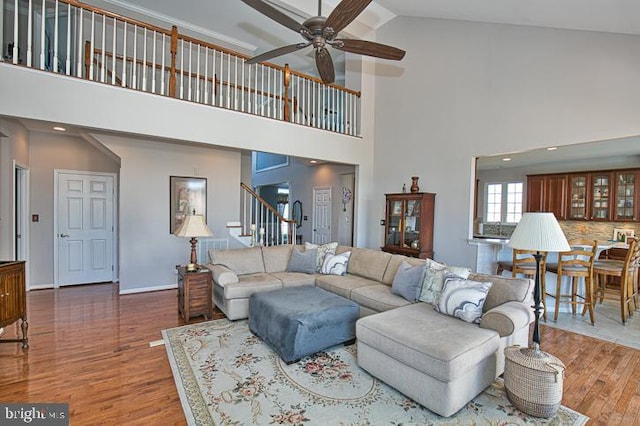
[[576, 264], [524, 263], [626, 270]]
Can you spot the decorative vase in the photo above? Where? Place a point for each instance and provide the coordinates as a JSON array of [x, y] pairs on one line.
[[414, 184]]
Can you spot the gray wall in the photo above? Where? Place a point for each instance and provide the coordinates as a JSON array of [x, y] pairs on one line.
[[471, 89], [50, 151]]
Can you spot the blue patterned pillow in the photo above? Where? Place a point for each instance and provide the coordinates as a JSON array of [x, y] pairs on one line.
[[463, 298], [335, 264]]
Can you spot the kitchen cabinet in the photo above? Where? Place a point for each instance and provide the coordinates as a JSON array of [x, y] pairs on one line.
[[627, 197], [409, 224], [607, 196], [547, 193]]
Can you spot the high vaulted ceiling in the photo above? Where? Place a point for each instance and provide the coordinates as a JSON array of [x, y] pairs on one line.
[[235, 25]]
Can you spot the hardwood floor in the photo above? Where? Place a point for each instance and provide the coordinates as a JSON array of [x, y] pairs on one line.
[[89, 347]]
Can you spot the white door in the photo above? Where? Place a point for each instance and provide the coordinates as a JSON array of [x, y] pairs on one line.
[[85, 228], [321, 215]]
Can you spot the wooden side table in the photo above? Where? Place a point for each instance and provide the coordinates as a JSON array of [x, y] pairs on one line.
[[194, 293]]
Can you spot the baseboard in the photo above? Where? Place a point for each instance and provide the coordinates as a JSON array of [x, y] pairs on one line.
[[40, 287], [148, 289]]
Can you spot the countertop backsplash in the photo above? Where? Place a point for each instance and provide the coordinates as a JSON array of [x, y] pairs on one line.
[[602, 231]]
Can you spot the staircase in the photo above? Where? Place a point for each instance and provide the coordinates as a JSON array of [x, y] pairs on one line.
[[260, 224]]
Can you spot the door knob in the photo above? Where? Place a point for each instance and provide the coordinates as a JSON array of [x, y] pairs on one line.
[[64, 236]]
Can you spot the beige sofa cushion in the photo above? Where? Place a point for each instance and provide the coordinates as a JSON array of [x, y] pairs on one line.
[[241, 261], [505, 289], [276, 258], [394, 264], [368, 263], [295, 279], [440, 346], [508, 318], [222, 275], [377, 298], [342, 285], [251, 283]]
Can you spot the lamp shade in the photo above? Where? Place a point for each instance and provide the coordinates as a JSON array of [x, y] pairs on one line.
[[193, 226], [539, 232]]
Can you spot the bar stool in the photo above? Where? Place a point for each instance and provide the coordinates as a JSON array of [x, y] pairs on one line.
[[576, 263], [524, 263], [627, 271]]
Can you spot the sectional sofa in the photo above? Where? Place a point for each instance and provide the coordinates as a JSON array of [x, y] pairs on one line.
[[436, 359]]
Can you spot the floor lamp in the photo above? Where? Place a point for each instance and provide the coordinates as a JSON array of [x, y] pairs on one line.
[[533, 379], [193, 227]]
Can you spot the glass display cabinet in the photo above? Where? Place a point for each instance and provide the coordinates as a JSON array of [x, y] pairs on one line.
[[626, 202], [409, 224], [578, 189], [601, 196]]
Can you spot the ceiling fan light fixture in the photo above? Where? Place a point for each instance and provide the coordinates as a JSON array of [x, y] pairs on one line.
[[320, 31]]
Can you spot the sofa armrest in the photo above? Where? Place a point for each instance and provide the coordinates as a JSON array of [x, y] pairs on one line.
[[222, 275], [507, 318]]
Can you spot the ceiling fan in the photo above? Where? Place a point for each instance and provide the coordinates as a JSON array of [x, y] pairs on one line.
[[319, 32]]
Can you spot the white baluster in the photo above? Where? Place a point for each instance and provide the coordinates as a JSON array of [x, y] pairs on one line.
[[182, 69], [163, 72], [55, 38], [243, 88], [103, 67], [206, 75], [80, 66], [144, 60], [229, 80], [124, 55], [134, 64], [153, 62], [189, 92], [198, 74], [114, 59], [29, 33], [235, 83], [92, 44]]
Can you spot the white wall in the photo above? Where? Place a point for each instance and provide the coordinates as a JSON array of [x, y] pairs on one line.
[[148, 252], [470, 89]]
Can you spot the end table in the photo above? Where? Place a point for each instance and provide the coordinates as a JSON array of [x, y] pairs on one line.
[[194, 293]]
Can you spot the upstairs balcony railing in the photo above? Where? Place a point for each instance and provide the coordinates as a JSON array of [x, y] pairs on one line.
[[75, 39]]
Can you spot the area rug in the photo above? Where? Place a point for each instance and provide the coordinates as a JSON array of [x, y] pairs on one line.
[[225, 375]]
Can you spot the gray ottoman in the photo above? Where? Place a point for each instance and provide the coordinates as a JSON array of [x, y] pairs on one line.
[[300, 321]]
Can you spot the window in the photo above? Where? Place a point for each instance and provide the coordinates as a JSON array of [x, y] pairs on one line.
[[504, 202]]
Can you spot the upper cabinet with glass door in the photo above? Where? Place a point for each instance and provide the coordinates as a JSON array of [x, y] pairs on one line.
[[626, 195], [578, 197], [601, 190]]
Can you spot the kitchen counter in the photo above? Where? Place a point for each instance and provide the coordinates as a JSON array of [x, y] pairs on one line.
[[490, 250]]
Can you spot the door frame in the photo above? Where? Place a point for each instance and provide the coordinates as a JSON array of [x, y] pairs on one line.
[[20, 215], [114, 234]]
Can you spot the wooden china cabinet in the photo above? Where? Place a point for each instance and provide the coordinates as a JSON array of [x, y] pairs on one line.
[[409, 224]]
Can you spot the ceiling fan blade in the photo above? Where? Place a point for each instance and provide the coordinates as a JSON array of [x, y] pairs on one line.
[[325, 65], [369, 48], [276, 52], [274, 14], [344, 13]]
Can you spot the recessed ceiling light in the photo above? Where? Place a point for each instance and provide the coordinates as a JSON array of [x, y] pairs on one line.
[[552, 148], [313, 161], [60, 129], [506, 159]]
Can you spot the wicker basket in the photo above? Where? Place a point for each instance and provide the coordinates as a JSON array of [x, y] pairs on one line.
[[533, 380]]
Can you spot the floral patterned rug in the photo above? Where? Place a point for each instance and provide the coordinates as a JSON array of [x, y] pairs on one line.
[[225, 375]]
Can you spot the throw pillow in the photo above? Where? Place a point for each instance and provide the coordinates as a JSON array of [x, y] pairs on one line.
[[408, 281], [302, 261], [462, 298], [433, 278], [322, 252], [335, 264]]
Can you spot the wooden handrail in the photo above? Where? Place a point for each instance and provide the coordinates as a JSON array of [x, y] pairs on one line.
[[264, 203]]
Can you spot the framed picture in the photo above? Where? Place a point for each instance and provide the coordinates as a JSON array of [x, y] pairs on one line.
[[187, 195], [621, 235]]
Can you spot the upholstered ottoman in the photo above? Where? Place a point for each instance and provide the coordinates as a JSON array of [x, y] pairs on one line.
[[300, 321]]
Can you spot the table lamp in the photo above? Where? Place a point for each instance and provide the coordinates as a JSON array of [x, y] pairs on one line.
[[193, 227], [533, 379]]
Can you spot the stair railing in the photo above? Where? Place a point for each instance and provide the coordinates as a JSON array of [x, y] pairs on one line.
[[264, 224]]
